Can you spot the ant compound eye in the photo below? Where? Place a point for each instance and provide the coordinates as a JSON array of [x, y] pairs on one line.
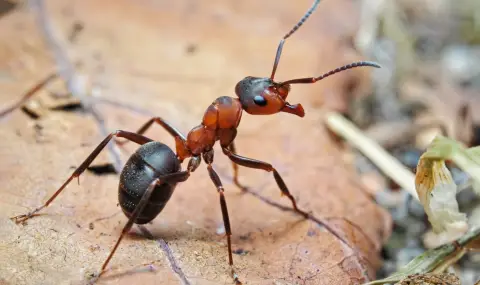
[[259, 100]]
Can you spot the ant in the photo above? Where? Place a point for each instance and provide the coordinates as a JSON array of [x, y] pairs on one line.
[[151, 174]]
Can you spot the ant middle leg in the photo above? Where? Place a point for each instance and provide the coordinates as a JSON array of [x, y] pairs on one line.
[[167, 126], [257, 164], [139, 139]]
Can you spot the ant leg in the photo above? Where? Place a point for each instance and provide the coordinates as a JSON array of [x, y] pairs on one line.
[[123, 134], [169, 178], [235, 167], [167, 126], [226, 221], [257, 164], [32, 91]]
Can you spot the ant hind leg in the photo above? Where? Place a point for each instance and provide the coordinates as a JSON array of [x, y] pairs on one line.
[[123, 134], [160, 121]]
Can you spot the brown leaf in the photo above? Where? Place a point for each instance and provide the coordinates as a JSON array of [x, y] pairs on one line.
[[139, 53]]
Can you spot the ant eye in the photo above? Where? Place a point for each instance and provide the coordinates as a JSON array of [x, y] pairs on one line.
[[259, 100]]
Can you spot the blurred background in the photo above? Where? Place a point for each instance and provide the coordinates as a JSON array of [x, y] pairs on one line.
[[429, 84]]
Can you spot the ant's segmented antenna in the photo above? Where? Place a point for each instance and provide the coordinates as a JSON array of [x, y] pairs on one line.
[[293, 30], [336, 70]]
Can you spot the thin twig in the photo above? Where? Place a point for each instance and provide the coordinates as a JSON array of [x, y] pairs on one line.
[[322, 222], [168, 252], [66, 69], [29, 94], [319, 221], [381, 158], [125, 106]]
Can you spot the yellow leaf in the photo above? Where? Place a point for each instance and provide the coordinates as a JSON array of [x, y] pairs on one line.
[[436, 191]]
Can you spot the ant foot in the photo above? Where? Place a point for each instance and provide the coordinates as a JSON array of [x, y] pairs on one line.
[[306, 215], [93, 277], [21, 219], [235, 278]]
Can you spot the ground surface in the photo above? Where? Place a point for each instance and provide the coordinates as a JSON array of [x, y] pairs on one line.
[[174, 60]]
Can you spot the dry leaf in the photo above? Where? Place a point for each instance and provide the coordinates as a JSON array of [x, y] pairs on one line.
[[154, 39], [437, 193], [435, 186]]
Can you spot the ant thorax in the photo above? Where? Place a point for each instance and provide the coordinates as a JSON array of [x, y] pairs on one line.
[[219, 123]]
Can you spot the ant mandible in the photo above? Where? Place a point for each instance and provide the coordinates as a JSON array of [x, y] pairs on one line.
[[151, 174]]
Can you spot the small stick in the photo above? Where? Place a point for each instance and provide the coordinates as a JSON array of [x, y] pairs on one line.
[[29, 94], [66, 70], [381, 158]]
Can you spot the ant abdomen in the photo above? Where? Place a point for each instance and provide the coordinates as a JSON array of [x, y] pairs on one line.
[[149, 162]]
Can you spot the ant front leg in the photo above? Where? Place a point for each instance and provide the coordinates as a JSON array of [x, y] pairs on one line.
[[232, 148], [167, 126], [123, 134], [257, 164], [169, 178]]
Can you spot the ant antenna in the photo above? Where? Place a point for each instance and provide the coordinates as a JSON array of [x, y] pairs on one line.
[[293, 30], [336, 70]]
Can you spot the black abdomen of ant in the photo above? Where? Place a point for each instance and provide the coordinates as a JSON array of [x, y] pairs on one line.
[[151, 161]]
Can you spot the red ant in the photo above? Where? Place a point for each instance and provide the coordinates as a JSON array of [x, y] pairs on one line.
[[151, 174]]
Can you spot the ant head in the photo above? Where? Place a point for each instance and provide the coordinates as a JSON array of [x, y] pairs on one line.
[[263, 96]]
